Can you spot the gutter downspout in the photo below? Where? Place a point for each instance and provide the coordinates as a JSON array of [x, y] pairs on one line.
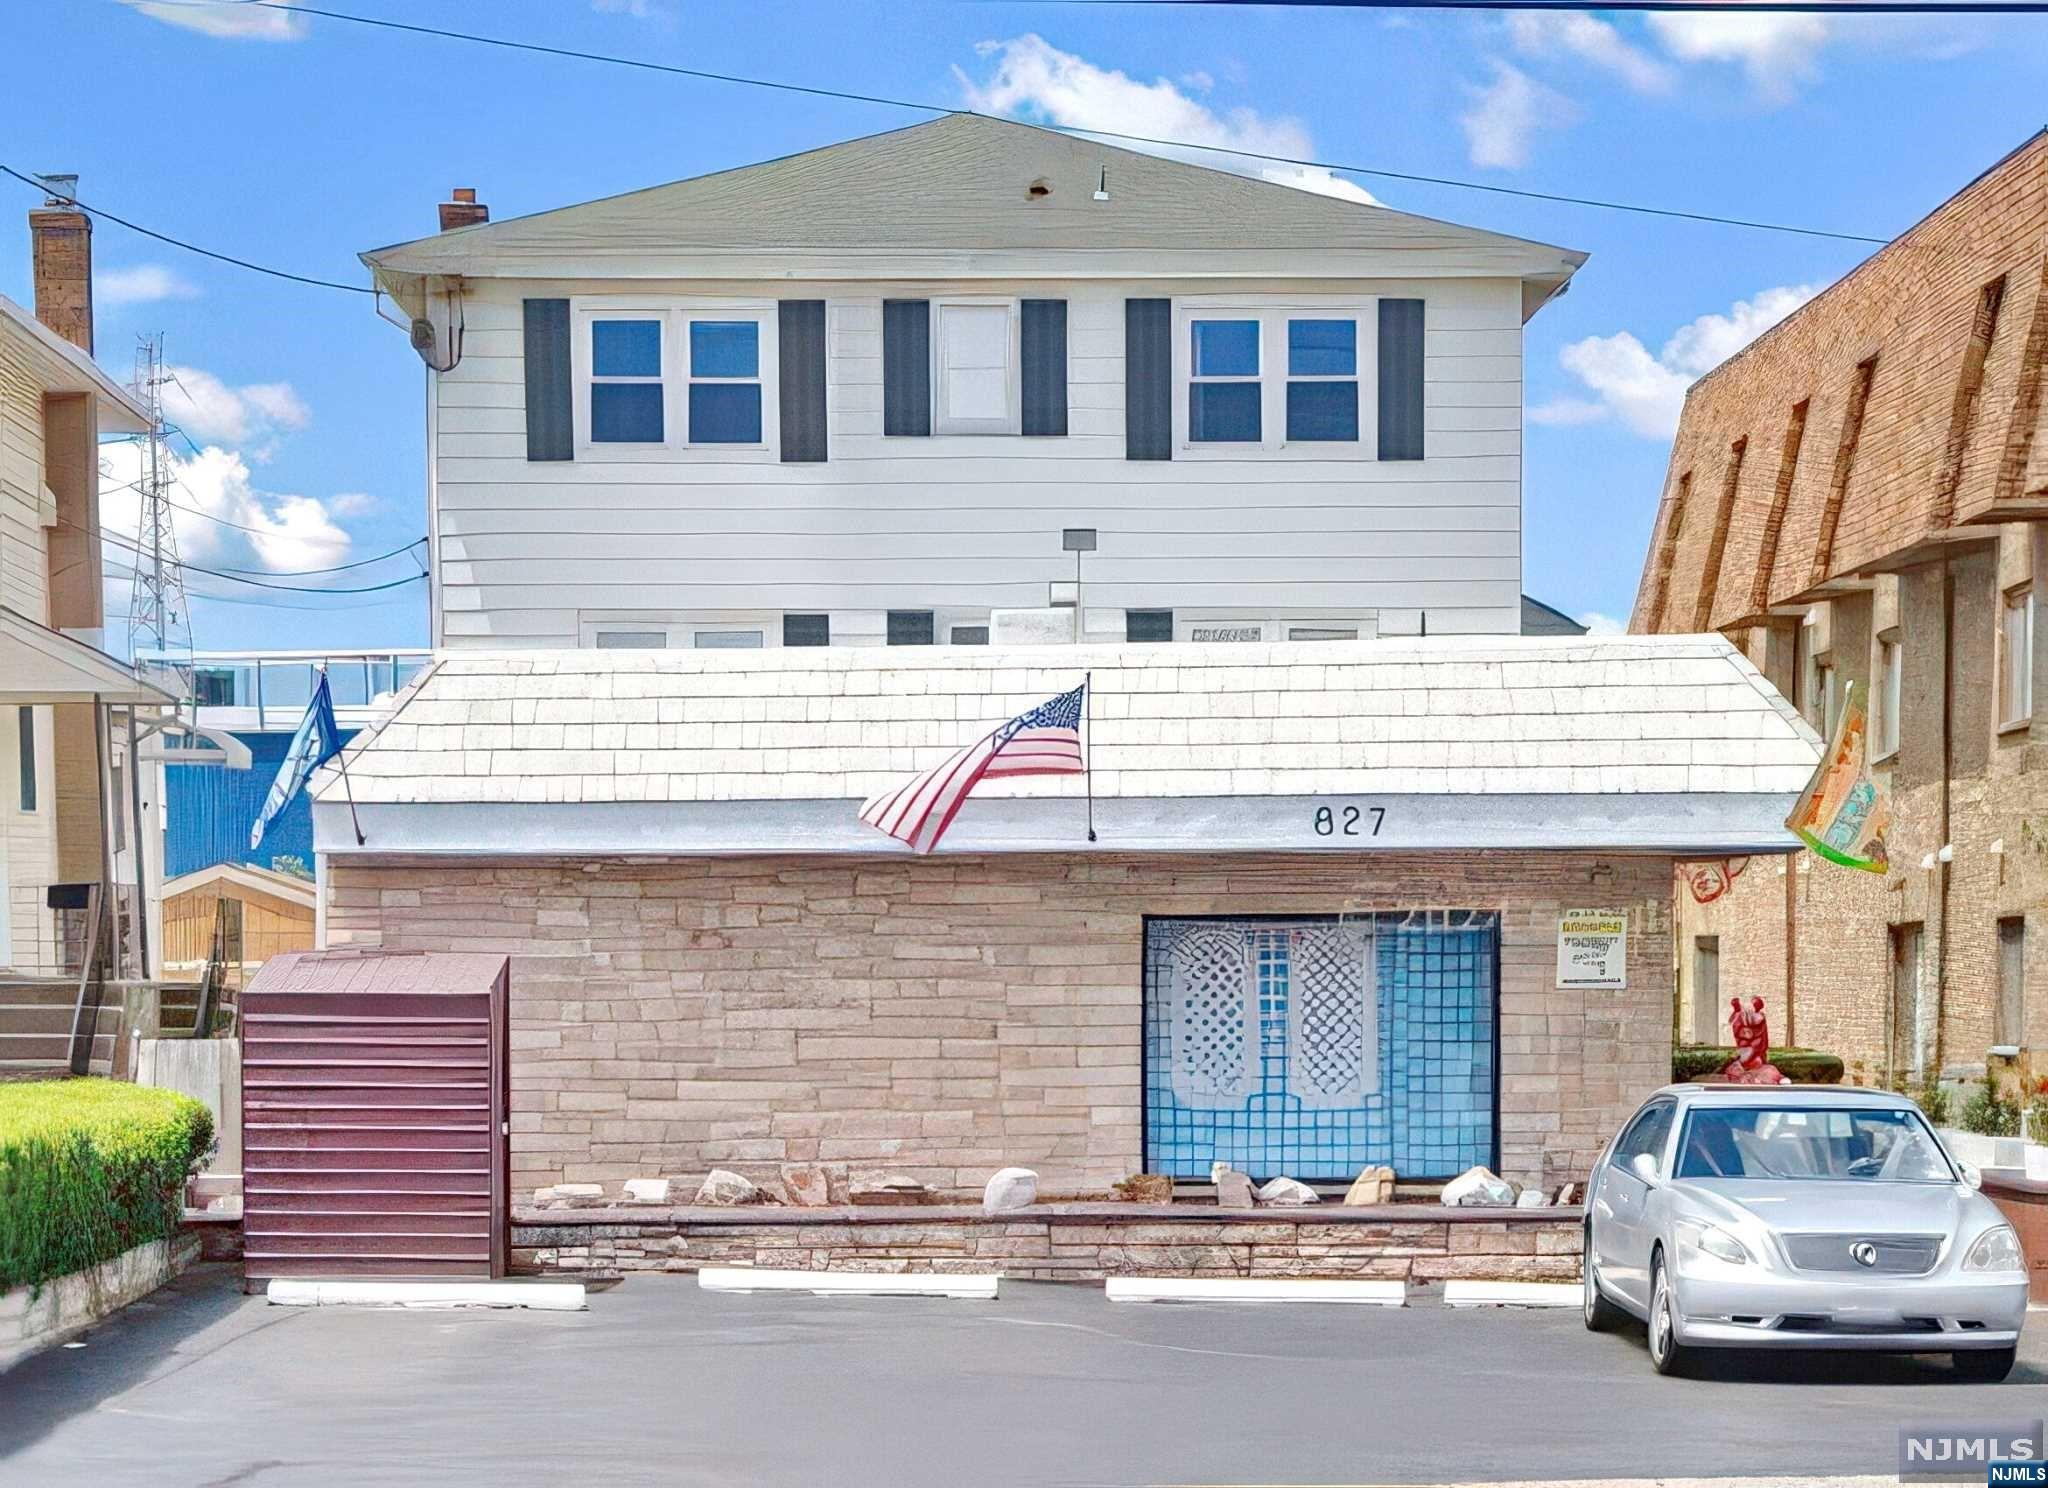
[[1944, 853]]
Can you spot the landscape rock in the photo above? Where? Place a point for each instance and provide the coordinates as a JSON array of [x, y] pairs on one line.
[[886, 1188], [575, 1195], [1371, 1186], [1146, 1188], [1233, 1189], [1532, 1198], [1567, 1193], [1288, 1193], [1010, 1188], [1479, 1185], [806, 1185], [647, 1190], [723, 1186]]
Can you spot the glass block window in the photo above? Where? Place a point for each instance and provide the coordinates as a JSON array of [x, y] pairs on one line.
[[1322, 380], [1148, 625], [625, 382], [1315, 1046], [806, 630], [725, 382], [1223, 386], [910, 627]]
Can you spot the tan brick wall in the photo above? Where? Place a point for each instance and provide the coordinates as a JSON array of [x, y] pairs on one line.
[[946, 1016]]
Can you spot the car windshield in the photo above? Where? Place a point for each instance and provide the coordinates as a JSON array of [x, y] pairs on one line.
[[1807, 1142]]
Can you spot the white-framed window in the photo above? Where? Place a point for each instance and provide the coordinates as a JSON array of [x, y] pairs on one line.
[[1891, 667], [975, 384], [630, 640], [720, 638], [1275, 374], [658, 377], [2016, 656]]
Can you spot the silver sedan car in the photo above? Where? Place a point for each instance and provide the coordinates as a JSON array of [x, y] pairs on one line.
[[1798, 1216]]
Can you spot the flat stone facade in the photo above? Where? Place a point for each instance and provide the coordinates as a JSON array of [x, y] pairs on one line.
[[1416, 1243], [946, 1016]]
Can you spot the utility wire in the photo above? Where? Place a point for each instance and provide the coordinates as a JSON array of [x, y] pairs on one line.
[[1738, 7], [1412, 177], [238, 576], [228, 258]]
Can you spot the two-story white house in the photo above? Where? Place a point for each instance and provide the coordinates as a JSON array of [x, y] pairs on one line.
[[926, 387]]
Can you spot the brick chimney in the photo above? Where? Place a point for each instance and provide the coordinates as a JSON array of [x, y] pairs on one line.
[[464, 210], [62, 239]]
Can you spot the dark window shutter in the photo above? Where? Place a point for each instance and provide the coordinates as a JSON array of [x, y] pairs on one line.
[[1148, 625], [806, 630], [906, 366], [800, 354], [1148, 379], [550, 419], [1043, 339], [1400, 379]]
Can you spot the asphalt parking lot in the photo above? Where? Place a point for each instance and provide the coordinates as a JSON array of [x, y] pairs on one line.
[[660, 1382]]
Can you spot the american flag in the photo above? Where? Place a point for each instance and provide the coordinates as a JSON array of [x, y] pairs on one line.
[[1044, 741]]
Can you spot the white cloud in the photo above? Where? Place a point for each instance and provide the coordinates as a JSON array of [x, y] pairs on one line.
[[1507, 113], [1034, 80], [1646, 393], [280, 532], [1601, 625], [140, 285], [1778, 52], [640, 10], [1538, 33], [208, 409], [234, 22]]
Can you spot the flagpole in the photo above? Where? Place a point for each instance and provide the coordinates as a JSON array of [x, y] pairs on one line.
[[1088, 746]]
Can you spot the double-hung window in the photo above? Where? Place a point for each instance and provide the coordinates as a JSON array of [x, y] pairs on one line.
[[662, 377], [2016, 657], [974, 366], [1276, 376], [625, 381]]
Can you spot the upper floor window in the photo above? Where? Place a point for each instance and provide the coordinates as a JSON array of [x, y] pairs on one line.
[[806, 630], [1891, 666], [658, 377], [632, 640], [910, 627], [2016, 656], [1275, 377], [1148, 625]]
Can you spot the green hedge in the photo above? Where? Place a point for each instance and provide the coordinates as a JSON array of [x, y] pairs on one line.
[[1800, 1066], [88, 1169]]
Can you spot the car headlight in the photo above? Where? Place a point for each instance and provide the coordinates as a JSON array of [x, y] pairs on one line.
[[1997, 1249], [1713, 1241]]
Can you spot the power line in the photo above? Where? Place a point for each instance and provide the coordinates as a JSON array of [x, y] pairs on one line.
[[238, 576], [148, 232], [1739, 7], [307, 573], [1411, 177]]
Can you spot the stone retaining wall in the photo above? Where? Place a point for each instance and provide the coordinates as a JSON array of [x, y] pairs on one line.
[[34, 1318], [1416, 1243]]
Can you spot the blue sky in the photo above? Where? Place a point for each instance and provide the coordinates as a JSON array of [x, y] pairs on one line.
[[299, 142]]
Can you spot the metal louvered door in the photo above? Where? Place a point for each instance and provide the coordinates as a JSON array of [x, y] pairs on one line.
[[374, 1095]]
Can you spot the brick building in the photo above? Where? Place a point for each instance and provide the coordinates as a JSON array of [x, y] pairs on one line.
[[1856, 500], [1318, 927]]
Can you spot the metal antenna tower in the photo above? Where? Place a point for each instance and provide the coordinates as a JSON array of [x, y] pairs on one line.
[[159, 616]]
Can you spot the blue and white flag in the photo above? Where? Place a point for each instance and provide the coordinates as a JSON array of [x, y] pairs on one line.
[[316, 742]]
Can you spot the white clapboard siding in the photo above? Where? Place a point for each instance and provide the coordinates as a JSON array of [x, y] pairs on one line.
[[529, 551]]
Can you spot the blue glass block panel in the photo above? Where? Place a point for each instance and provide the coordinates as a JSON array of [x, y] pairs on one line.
[[725, 348], [725, 413], [625, 413], [1226, 348], [1322, 348], [625, 348], [1433, 1113], [1223, 412], [1322, 410]]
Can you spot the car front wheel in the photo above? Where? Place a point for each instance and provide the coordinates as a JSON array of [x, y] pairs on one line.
[[1601, 1314], [1667, 1355], [1984, 1366]]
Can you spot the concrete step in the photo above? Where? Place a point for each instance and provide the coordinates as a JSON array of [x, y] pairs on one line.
[[49, 1048], [37, 993], [54, 1018]]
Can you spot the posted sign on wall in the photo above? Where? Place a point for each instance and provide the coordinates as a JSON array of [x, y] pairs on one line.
[[1592, 949]]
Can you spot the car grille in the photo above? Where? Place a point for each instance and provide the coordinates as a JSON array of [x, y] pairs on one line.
[[1897, 1255]]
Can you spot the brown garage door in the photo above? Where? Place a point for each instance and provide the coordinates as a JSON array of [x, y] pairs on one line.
[[374, 1115]]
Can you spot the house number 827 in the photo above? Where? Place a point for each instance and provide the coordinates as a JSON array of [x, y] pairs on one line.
[[1349, 821]]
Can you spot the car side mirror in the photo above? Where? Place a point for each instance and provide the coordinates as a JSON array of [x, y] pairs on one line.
[[1644, 1167], [1973, 1176]]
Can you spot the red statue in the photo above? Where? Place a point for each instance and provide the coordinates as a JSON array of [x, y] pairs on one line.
[[1751, 1064]]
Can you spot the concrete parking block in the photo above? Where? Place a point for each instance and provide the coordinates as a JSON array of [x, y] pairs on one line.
[[541, 1296]]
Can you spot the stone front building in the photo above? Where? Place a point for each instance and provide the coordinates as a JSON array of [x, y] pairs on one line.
[[1857, 501], [1318, 927]]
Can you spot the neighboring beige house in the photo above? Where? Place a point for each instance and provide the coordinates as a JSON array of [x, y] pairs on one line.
[[55, 407]]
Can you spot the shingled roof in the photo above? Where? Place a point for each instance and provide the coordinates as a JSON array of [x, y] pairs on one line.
[[1667, 742]]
